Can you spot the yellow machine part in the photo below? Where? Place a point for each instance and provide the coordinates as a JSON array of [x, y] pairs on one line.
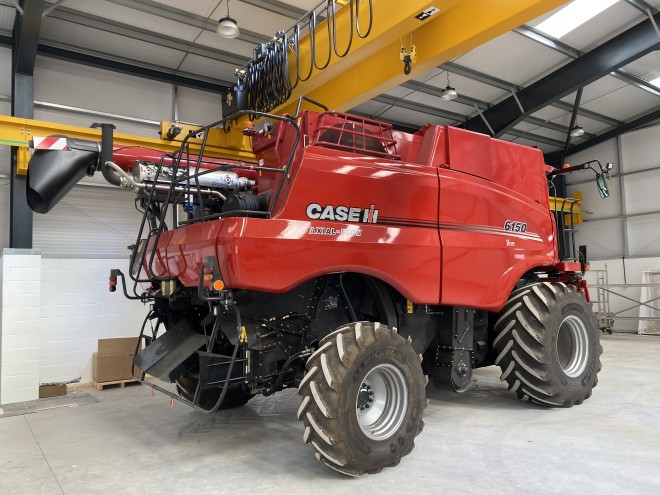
[[373, 66], [570, 207], [19, 131]]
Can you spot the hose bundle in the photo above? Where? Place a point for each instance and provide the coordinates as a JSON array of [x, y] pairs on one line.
[[267, 81]]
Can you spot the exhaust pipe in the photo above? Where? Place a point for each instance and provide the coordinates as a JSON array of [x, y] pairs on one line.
[[106, 153], [52, 173]]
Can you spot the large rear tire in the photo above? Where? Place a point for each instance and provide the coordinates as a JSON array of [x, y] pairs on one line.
[[235, 397], [548, 345], [363, 398]]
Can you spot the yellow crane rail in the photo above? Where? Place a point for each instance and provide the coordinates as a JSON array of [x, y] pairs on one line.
[[18, 132]]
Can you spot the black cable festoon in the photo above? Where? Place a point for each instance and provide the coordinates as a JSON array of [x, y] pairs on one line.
[[266, 82]]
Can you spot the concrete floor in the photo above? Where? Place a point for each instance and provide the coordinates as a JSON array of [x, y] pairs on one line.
[[484, 441]]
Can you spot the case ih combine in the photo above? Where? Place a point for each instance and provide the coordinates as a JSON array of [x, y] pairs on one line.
[[350, 261]]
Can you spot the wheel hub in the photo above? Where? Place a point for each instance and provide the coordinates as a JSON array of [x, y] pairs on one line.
[[365, 397], [382, 402], [573, 346]]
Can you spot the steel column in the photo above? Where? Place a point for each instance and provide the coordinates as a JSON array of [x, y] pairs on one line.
[[624, 212], [26, 37]]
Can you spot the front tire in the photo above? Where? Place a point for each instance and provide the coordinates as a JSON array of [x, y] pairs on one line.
[[363, 398], [548, 345]]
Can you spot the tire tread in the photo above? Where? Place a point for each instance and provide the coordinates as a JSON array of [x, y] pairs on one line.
[[522, 354]]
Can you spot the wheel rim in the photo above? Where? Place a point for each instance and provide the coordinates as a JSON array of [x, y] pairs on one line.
[[573, 346], [382, 402]]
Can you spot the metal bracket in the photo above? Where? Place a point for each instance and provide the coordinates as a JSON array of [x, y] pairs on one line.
[[453, 363], [463, 354], [515, 97], [483, 117], [18, 6], [655, 26]]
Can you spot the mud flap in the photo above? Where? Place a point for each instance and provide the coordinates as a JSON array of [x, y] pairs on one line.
[[164, 357]]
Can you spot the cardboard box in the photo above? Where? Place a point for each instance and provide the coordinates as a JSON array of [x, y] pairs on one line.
[[124, 345], [51, 391], [114, 359]]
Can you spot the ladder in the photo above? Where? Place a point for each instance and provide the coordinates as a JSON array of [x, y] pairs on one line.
[[604, 314]]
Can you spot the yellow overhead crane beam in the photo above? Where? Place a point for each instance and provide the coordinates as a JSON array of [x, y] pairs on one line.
[[373, 66], [18, 132]]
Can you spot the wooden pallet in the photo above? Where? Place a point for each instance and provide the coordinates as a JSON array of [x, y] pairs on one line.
[[121, 383]]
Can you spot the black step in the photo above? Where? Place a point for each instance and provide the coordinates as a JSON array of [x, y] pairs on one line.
[[163, 358]]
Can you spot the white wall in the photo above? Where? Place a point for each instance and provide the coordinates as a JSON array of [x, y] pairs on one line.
[[636, 213], [633, 275], [621, 232], [76, 310], [86, 235], [20, 308]]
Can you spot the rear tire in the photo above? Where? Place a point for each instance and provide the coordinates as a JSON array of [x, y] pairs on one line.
[[548, 345], [363, 398], [235, 397]]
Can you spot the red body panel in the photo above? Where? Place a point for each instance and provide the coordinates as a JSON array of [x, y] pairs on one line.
[[481, 260], [452, 217]]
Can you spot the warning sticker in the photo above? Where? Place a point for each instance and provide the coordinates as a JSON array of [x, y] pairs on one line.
[[425, 14]]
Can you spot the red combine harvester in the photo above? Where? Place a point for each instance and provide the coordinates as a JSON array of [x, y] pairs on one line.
[[351, 261]]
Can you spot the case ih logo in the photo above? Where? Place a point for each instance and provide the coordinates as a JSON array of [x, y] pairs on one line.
[[343, 213]]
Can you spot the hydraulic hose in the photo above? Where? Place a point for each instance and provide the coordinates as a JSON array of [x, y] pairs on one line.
[[269, 79]]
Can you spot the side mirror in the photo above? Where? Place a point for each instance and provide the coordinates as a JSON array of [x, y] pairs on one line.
[[602, 186]]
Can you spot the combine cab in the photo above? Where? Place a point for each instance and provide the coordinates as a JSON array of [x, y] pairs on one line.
[[352, 262]]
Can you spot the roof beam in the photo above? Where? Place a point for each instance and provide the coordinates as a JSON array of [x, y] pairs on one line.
[[587, 113], [482, 105], [373, 67], [454, 68], [126, 66], [647, 119], [555, 44], [398, 124], [408, 127], [188, 18], [52, 7], [642, 6], [419, 107], [535, 137], [161, 74], [617, 52], [137, 33], [277, 7]]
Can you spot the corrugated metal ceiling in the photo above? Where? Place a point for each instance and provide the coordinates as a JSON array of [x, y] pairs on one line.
[[178, 36], [7, 15]]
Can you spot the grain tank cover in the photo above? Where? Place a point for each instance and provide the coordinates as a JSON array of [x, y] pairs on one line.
[[516, 167]]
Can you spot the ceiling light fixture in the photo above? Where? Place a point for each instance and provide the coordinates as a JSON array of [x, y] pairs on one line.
[[572, 16], [449, 93], [227, 26], [577, 131]]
